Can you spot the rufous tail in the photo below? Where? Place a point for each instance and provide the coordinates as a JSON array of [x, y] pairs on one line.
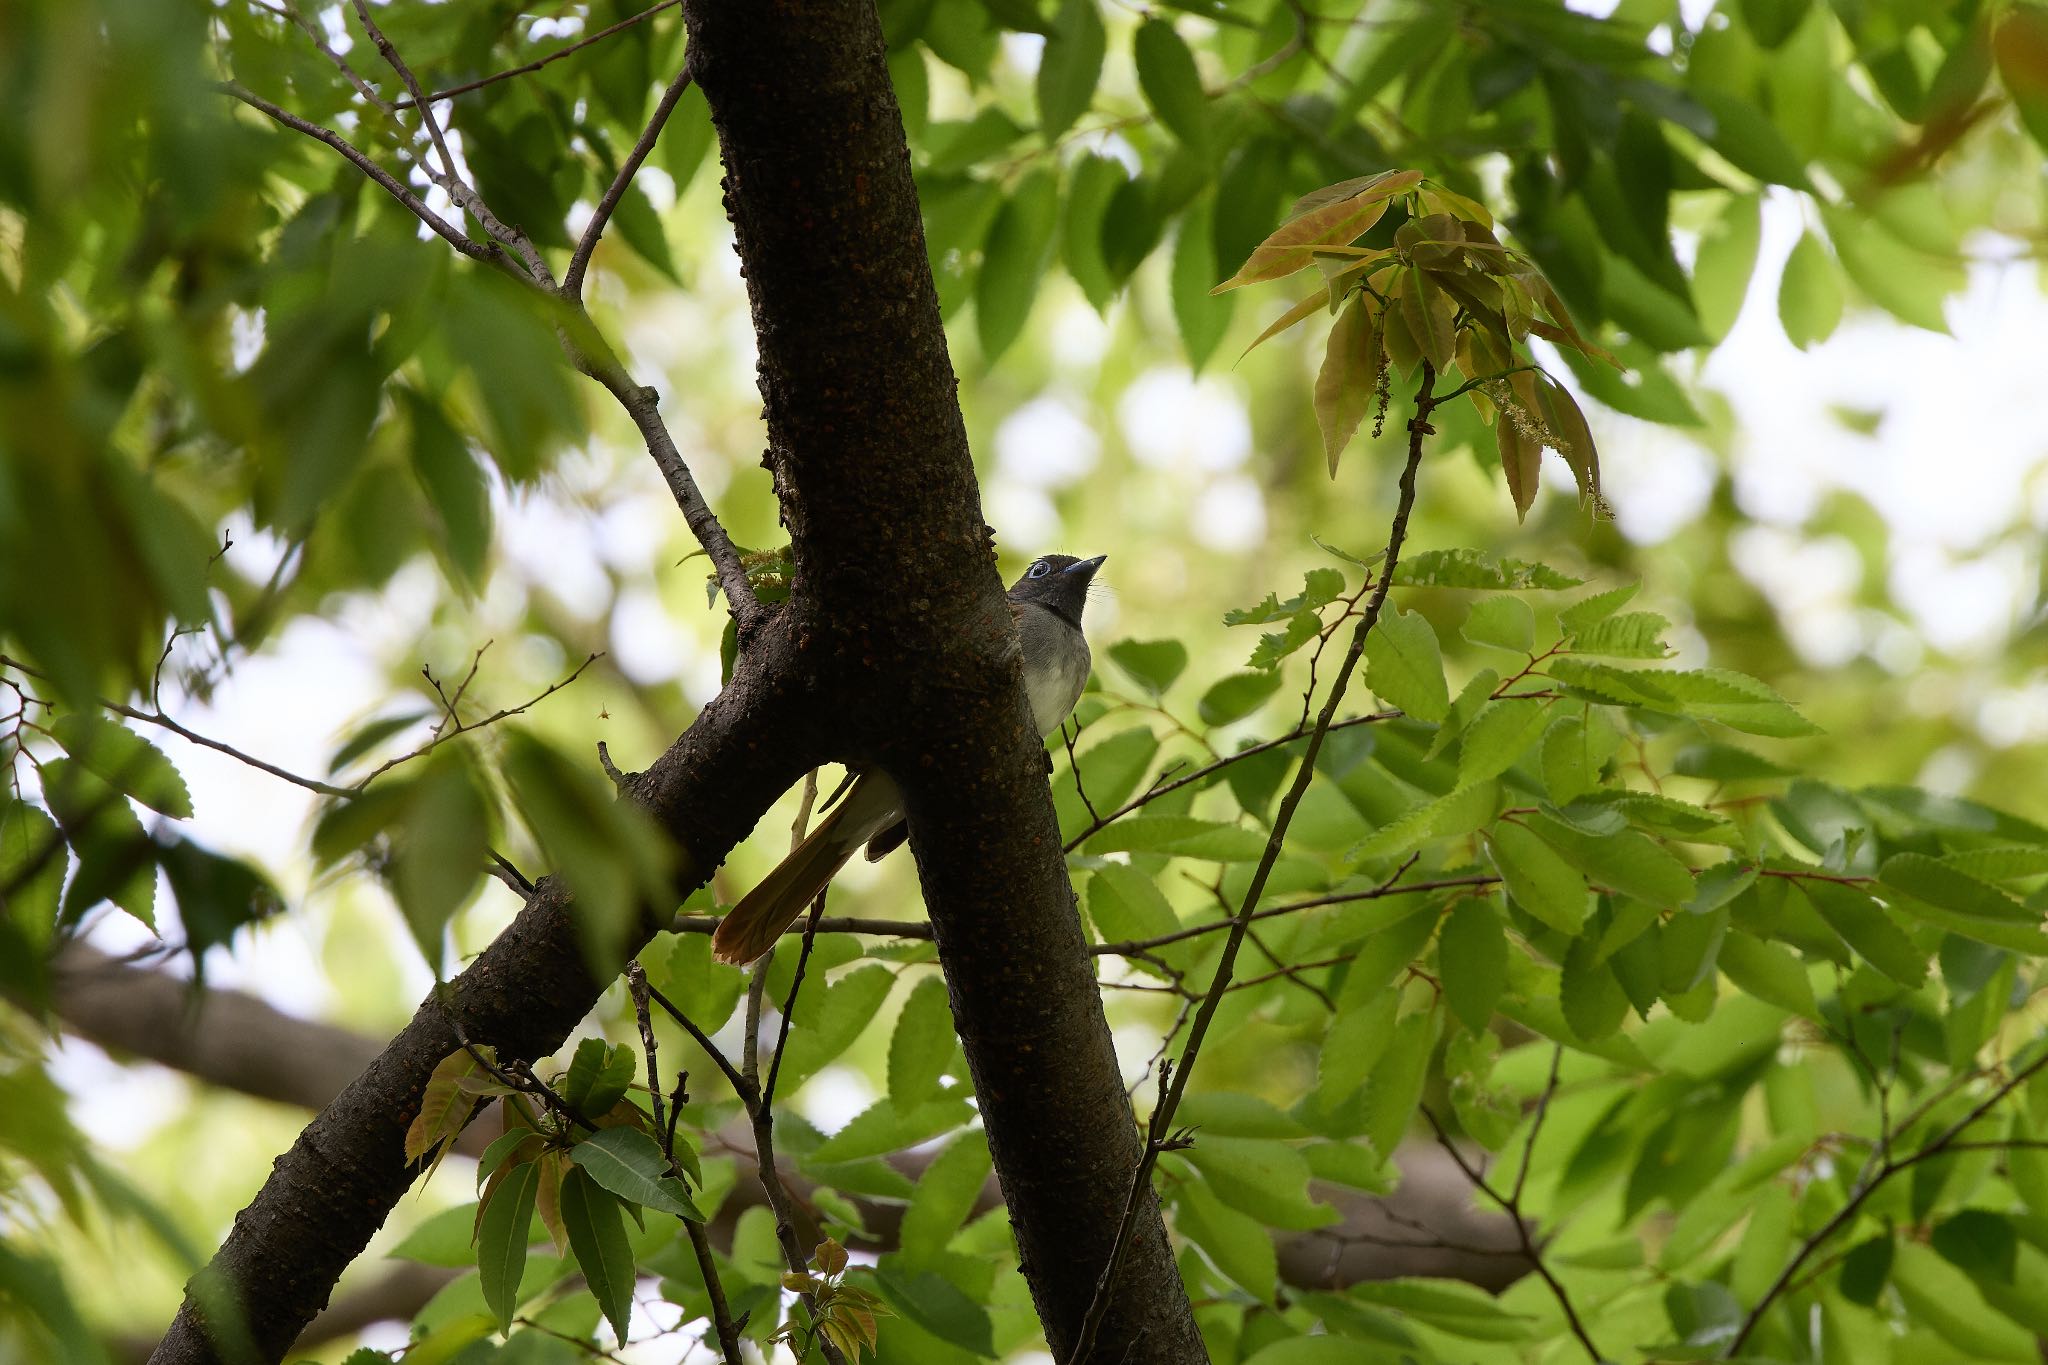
[[751, 927]]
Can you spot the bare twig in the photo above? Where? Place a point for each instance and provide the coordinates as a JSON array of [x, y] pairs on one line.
[[1509, 1205], [1162, 1115], [488, 252], [507, 713], [530, 67], [1939, 1145], [290, 14], [572, 278], [664, 1124]]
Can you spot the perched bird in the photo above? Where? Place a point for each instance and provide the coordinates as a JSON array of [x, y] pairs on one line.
[[1047, 603]]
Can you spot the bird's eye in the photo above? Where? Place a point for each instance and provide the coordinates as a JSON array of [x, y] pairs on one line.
[[1039, 570]]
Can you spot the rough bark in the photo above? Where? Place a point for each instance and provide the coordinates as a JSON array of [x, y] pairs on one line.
[[893, 563], [333, 1189]]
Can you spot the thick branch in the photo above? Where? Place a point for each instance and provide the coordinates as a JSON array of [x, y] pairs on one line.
[[332, 1190], [896, 592]]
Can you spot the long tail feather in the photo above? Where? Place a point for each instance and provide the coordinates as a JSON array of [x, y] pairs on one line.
[[751, 927]]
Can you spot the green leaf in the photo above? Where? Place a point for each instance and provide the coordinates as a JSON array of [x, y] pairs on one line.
[[117, 859], [370, 735], [1013, 259], [1152, 664], [1317, 1350], [439, 851], [1477, 569], [1094, 180], [945, 1196], [1864, 926], [1809, 293], [1503, 622], [1750, 141], [1274, 647], [1498, 736], [1235, 697], [1589, 993], [1180, 835], [1732, 699], [501, 1240], [921, 1045], [1458, 1309], [1172, 86], [1947, 888], [1541, 882], [125, 761], [1405, 666], [1356, 1038], [1472, 956], [1724, 263], [1769, 972], [883, 1128], [597, 1236], [629, 1163], [936, 1304], [850, 1004], [1631, 635], [1624, 861], [1910, 285], [1069, 67], [687, 138], [1394, 1090], [1127, 905], [1238, 1243], [28, 836], [1203, 317], [1262, 1177]]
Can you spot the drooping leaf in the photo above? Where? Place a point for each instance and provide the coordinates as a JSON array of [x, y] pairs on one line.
[[1348, 383], [1472, 953], [1172, 86], [1012, 260], [1404, 666], [596, 1225], [1809, 294], [1152, 664], [501, 1240], [125, 761], [921, 1045], [1069, 67], [630, 1164]]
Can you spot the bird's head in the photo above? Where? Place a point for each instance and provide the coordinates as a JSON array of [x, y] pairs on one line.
[[1058, 582]]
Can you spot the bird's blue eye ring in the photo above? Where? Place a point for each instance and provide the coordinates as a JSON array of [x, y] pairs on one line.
[[1039, 570]]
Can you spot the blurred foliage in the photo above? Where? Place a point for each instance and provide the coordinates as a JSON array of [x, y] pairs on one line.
[[245, 399]]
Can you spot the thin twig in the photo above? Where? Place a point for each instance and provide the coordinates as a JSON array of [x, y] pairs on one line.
[[529, 68], [1529, 1248], [572, 278], [290, 14], [664, 1124], [489, 253], [1157, 1130], [1939, 1145]]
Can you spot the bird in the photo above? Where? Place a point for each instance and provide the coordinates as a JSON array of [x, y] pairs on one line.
[[1046, 601]]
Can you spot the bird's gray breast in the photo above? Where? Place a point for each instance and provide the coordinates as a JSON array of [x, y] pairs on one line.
[[1055, 665]]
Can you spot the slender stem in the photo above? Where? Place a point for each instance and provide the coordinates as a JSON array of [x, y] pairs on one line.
[[529, 68], [1157, 1131], [572, 278], [721, 1315], [1939, 1145], [489, 253]]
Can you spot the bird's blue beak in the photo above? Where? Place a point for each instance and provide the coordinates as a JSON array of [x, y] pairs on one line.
[[1085, 567]]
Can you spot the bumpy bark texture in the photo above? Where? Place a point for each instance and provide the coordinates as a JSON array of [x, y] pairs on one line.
[[896, 648]]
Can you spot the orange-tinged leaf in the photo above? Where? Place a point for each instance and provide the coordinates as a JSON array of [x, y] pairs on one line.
[[1437, 199], [1521, 457], [1346, 189], [1289, 318], [829, 1258], [1337, 223], [1562, 415], [2019, 45], [1396, 340], [1344, 388], [547, 1200], [1566, 332], [1428, 315], [444, 1106]]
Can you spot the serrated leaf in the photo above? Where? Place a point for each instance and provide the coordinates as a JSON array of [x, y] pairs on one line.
[[1013, 259], [1457, 1309], [1181, 835], [921, 1045], [1768, 971], [125, 761], [1590, 995], [1171, 85], [1864, 926], [597, 1236], [1069, 67], [1265, 1178], [1239, 1244], [1630, 635], [1404, 666], [1272, 648], [1340, 220], [1348, 382], [1541, 882], [1503, 622], [629, 1164], [1573, 437], [1809, 293], [936, 1304], [1429, 315], [1732, 699], [1948, 888], [1472, 955], [1498, 736], [944, 1198], [501, 1241], [1521, 463], [1094, 181], [1623, 861], [1394, 1090], [1152, 664], [1477, 569], [1235, 697]]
